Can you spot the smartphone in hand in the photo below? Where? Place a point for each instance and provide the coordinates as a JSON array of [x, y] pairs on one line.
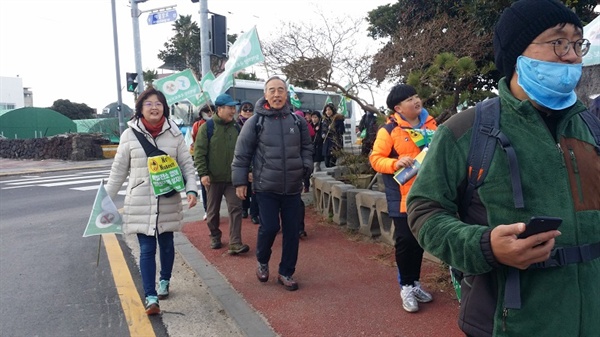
[[539, 224]]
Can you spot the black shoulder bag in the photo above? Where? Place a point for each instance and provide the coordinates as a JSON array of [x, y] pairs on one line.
[[153, 151]]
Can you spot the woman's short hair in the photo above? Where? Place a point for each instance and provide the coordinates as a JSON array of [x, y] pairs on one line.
[[144, 96]]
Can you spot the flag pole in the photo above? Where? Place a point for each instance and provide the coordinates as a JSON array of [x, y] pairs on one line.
[[99, 245]]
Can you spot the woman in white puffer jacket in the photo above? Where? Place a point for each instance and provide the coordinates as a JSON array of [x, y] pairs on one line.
[[152, 218]]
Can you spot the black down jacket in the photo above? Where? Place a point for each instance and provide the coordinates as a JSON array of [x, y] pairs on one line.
[[279, 150]]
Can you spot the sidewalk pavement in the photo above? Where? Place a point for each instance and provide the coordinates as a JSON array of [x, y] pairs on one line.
[[348, 283]]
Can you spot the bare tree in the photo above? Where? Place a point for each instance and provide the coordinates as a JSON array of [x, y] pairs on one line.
[[325, 56]]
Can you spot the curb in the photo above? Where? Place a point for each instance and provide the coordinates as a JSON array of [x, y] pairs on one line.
[[246, 318]]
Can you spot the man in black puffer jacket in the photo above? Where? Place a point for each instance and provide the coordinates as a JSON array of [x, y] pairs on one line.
[[278, 147]]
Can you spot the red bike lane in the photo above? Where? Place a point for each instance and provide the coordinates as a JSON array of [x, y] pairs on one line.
[[348, 285]]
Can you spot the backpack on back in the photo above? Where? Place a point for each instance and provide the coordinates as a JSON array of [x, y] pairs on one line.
[[485, 134]]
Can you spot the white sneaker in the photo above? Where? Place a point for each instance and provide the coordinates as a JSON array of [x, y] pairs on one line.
[[409, 302], [204, 217], [420, 294]]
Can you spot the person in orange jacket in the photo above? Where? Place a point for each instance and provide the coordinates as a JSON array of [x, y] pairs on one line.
[[398, 142]]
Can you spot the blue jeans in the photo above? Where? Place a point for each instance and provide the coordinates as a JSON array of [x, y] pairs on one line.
[[148, 259], [271, 206]]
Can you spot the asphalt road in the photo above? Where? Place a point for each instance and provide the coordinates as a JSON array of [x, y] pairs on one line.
[[50, 283]]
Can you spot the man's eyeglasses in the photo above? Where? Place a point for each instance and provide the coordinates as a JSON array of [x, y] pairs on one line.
[[153, 104], [248, 110], [563, 45]]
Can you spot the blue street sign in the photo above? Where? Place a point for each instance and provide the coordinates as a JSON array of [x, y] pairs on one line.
[[160, 17]]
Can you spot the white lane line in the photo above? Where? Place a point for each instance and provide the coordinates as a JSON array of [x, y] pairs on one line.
[[65, 183], [49, 180]]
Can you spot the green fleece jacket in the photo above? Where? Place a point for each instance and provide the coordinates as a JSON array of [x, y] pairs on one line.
[[214, 157], [560, 178]]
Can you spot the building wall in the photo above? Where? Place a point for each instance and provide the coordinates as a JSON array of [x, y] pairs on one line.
[[11, 93]]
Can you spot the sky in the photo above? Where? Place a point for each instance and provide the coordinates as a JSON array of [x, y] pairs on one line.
[[64, 49]]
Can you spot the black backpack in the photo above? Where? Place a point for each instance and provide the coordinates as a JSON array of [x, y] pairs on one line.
[[485, 134]]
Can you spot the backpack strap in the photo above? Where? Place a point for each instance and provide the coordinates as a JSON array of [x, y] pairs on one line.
[[210, 129], [389, 127], [485, 134], [593, 124], [258, 127]]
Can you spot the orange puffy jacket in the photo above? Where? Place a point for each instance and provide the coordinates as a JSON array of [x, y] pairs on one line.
[[383, 159]]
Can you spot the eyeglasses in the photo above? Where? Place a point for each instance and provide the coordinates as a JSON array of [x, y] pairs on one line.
[[248, 110], [563, 45], [153, 104]]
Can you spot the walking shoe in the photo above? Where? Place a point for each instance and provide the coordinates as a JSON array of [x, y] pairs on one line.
[[152, 307], [163, 289], [255, 219], [245, 214], [409, 302], [238, 248], [420, 294], [215, 243], [262, 272], [288, 282], [303, 234]]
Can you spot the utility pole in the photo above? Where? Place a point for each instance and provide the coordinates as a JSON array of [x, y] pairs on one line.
[[204, 46], [135, 15], [118, 70]]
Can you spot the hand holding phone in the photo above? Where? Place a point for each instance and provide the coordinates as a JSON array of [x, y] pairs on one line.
[[540, 224]]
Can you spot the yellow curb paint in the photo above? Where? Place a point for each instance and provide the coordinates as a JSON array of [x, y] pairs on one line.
[[133, 308]]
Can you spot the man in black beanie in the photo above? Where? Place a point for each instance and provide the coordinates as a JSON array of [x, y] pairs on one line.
[[546, 284]]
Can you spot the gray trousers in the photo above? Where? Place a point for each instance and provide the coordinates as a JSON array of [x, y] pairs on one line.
[[214, 195]]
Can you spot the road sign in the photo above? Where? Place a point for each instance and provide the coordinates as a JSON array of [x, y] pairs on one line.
[[160, 17]]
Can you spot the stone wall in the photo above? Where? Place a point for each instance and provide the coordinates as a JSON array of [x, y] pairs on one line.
[[72, 146]]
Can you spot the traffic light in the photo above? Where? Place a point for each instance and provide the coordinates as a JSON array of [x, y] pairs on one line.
[[131, 82]]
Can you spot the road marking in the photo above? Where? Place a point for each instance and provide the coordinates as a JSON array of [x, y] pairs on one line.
[[77, 179], [133, 308]]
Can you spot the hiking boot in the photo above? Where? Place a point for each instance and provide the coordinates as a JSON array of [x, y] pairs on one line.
[[152, 307], [238, 248], [163, 289], [409, 302], [420, 294], [215, 243], [245, 214], [255, 219], [262, 272], [288, 282]]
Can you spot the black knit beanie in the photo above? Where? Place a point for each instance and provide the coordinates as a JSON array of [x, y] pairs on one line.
[[521, 23], [398, 94]]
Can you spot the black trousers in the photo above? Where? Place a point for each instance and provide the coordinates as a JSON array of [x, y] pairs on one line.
[[409, 255]]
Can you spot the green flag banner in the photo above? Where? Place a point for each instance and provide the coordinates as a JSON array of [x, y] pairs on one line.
[[105, 217], [592, 33], [218, 86], [245, 52], [342, 108], [165, 175], [327, 101], [201, 99], [178, 87], [294, 98]]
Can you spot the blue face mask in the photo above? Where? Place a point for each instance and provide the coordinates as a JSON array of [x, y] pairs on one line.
[[550, 84]]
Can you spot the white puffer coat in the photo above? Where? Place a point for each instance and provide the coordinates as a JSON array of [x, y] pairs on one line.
[[143, 211]]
